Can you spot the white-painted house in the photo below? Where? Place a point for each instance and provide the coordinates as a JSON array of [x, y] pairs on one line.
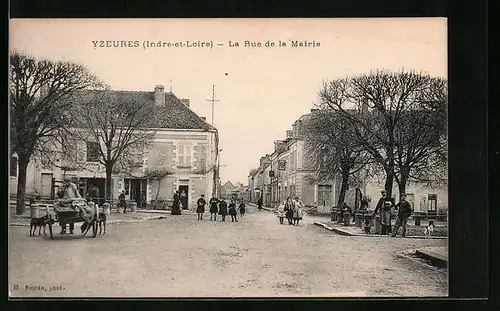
[[184, 144]]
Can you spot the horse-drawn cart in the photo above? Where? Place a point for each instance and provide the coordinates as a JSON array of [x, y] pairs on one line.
[[71, 208]]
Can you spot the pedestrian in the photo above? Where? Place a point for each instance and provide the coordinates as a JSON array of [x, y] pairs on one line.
[[176, 208], [289, 210], [121, 202], [297, 211], [223, 209], [213, 207], [184, 200], [232, 211], [280, 211], [260, 202], [201, 207], [384, 205], [404, 211], [242, 208]]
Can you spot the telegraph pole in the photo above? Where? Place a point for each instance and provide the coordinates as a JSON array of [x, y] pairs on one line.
[[213, 100]]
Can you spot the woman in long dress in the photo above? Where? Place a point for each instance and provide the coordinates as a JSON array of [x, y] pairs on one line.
[[176, 208], [289, 210]]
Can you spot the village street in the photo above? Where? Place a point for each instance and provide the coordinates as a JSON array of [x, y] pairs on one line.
[[180, 256]]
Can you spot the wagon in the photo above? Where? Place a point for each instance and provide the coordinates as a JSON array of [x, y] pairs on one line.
[[71, 208]]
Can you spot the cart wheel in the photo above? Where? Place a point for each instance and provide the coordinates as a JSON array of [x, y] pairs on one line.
[[50, 232], [94, 229]]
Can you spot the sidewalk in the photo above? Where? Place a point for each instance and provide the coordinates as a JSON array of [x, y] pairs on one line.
[[113, 218], [414, 232]]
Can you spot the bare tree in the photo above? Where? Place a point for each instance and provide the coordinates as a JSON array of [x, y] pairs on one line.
[[157, 175], [116, 126], [332, 149], [395, 110], [39, 97]]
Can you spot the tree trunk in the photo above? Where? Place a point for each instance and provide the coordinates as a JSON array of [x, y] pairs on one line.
[[343, 187], [23, 161], [402, 182], [109, 190]]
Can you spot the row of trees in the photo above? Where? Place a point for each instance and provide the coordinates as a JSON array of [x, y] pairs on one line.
[[56, 104], [387, 123]]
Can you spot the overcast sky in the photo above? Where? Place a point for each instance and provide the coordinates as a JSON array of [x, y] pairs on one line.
[[265, 89]]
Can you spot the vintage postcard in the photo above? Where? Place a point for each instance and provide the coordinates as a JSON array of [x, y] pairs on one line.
[[228, 158]]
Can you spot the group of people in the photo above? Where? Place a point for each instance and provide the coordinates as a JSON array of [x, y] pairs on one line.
[[220, 207], [385, 206], [291, 209]]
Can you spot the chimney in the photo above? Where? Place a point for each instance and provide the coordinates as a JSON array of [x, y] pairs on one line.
[[159, 95], [314, 110], [289, 134], [185, 101], [278, 145]]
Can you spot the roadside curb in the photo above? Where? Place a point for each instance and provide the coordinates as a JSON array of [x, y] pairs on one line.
[[405, 255], [347, 233], [336, 230]]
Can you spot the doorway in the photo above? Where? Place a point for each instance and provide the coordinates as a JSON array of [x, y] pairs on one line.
[[184, 196]]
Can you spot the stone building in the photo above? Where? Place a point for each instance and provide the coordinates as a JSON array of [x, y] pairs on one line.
[[184, 144]]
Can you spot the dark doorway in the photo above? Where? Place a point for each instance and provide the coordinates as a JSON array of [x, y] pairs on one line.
[[184, 197]]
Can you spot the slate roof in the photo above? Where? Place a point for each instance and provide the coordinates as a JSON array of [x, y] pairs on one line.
[[174, 115]]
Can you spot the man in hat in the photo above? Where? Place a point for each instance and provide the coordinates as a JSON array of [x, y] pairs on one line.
[[384, 205], [404, 211]]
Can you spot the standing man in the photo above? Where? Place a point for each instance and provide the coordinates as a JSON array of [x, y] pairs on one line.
[[201, 207], [384, 205], [184, 200], [121, 201], [213, 207], [404, 211], [260, 202]]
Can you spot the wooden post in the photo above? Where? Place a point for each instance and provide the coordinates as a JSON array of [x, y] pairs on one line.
[[378, 225]]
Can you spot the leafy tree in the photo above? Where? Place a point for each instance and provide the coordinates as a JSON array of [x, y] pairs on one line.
[[40, 93]]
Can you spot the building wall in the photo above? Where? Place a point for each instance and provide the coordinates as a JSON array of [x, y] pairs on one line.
[[163, 153]]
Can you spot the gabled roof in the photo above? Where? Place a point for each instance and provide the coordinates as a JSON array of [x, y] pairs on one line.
[[174, 115], [229, 185]]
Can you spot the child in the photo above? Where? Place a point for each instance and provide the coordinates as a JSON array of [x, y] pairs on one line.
[[242, 208], [232, 211], [223, 209], [281, 212], [201, 207]]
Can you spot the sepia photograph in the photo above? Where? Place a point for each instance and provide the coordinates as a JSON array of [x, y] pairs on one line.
[[222, 158]]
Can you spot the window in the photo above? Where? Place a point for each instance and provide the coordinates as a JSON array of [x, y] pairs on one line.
[[92, 151], [13, 166], [184, 155]]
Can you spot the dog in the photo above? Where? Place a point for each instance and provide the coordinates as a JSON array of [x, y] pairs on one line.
[[101, 222], [429, 230], [39, 223]]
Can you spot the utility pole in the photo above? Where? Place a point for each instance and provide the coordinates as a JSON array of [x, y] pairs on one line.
[[213, 100]]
